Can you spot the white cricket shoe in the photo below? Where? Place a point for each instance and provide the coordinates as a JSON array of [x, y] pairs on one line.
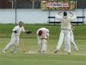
[[13, 52], [76, 49], [4, 51], [57, 51]]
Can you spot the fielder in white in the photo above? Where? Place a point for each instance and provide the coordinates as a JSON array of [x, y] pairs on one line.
[[15, 37], [42, 35], [65, 31], [72, 39]]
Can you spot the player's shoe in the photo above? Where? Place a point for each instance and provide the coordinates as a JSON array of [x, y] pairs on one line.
[[56, 51], [12, 52], [69, 53], [39, 51], [4, 51], [76, 49], [43, 51]]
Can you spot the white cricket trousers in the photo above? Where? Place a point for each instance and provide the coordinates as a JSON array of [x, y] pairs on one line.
[[64, 37], [14, 41], [42, 45], [72, 41]]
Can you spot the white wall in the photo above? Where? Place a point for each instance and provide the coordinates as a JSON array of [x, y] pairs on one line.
[[29, 15]]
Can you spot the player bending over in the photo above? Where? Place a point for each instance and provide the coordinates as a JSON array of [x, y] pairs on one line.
[[42, 35]]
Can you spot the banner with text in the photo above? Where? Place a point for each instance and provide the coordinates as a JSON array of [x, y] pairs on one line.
[[69, 5]]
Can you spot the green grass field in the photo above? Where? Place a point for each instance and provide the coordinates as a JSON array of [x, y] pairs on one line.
[[32, 57]]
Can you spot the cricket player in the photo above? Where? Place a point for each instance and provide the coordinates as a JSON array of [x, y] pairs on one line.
[[72, 39], [65, 31], [42, 35], [15, 37]]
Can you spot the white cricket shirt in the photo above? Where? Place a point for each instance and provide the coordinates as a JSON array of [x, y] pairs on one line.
[[18, 29], [66, 22]]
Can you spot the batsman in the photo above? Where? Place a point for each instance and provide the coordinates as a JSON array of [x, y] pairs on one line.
[[42, 35], [15, 37]]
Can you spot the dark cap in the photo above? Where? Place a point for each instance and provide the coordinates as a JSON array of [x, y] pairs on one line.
[[65, 13], [40, 32], [20, 22]]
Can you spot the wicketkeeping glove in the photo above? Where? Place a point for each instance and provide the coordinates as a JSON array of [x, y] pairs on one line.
[[28, 32]]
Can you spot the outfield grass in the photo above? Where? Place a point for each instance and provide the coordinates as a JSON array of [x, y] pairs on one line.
[[27, 58], [32, 57], [6, 30]]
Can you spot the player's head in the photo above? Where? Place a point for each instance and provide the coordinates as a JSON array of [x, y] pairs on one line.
[[21, 23], [40, 32], [65, 14]]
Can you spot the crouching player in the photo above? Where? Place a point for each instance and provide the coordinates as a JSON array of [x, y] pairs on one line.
[[42, 35], [15, 37]]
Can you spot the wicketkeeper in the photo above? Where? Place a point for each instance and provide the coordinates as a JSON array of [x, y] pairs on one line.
[[42, 35], [15, 37]]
